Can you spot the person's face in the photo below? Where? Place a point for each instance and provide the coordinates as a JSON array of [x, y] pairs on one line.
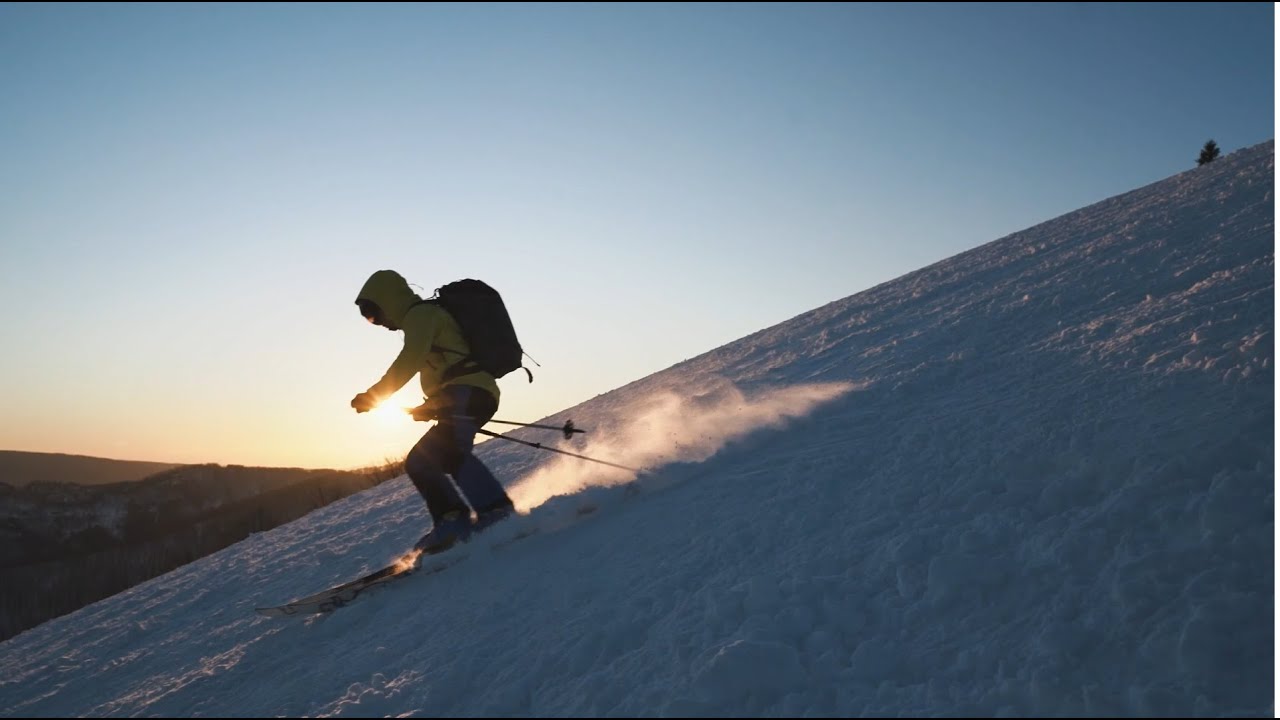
[[373, 314]]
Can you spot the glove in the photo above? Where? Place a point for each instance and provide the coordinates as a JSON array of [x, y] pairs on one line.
[[429, 410], [364, 402]]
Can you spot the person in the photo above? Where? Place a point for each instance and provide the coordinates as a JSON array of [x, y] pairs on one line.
[[460, 397]]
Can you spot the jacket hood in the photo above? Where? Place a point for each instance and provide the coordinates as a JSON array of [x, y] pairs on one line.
[[391, 293]]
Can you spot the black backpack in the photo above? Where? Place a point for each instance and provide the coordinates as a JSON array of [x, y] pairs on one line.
[[486, 326]]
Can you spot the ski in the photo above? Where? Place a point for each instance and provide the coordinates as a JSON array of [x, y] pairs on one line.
[[411, 563], [340, 595], [408, 564]]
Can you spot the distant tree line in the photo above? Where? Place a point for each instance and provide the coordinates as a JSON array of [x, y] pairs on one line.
[[32, 593]]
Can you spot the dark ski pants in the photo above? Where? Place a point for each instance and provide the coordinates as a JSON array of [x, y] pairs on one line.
[[445, 450]]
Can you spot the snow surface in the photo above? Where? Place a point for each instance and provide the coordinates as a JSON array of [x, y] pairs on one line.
[[1035, 479]]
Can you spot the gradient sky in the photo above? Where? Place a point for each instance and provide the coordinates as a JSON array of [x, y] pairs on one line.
[[191, 196]]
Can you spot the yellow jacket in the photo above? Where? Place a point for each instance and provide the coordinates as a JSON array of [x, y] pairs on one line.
[[433, 341]]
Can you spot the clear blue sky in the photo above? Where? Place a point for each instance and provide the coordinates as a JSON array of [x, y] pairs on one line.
[[190, 196]]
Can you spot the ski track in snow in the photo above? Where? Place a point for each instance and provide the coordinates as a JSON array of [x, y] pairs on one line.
[[1035, 479]]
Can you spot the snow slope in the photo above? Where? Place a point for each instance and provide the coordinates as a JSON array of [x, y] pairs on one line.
[[1035, 479]]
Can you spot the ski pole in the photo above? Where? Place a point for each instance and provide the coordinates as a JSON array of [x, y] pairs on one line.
[[568, 429], [540, 446]]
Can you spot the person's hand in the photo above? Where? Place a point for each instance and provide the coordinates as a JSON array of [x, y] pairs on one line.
[[364, 402], [429, 410]]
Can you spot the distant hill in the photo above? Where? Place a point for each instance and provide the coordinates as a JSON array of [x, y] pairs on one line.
[[19, 469], [64, 545]]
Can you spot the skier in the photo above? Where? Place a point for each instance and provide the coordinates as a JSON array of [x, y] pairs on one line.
[[460, 397]]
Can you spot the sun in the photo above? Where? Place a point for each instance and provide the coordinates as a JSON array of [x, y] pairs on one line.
[[391, 412]]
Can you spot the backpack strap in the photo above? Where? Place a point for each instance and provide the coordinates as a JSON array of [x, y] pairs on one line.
[[463, 366]]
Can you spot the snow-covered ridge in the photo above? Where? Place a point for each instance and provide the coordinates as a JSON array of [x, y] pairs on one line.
[[1034, 479]]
